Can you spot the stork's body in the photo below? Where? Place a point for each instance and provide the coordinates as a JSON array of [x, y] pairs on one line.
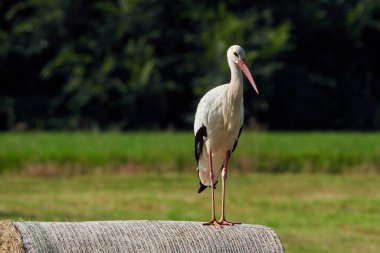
[[221, 112], [217, 127]]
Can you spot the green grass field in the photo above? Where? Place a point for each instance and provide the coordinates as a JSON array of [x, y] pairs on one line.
[[323, 197], [311, 213], [79, 153]]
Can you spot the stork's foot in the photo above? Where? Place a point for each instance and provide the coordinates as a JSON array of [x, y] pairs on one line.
[[213, 222], [223, 222]]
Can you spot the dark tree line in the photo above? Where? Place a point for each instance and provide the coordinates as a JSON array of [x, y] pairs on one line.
[[130, 64]]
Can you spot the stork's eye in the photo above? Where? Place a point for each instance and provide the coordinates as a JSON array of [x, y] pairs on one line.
[[236, 54]]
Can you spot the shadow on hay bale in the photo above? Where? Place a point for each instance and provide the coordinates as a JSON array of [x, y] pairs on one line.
[[137, 236]]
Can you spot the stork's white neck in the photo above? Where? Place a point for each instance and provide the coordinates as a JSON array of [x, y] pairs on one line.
[[236, 83], [233, 106]]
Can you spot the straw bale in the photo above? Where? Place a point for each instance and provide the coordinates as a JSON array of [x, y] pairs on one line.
[[146, 236], [10, 240]]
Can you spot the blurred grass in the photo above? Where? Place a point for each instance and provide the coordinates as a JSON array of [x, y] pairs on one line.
[[85, 152], [151, 151], [310, 212]]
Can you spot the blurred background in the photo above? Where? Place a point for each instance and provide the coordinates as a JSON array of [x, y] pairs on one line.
[[97, 102], [121, 65]]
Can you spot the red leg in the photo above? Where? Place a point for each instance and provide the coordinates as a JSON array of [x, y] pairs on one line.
[[213, 220], [222, 220]]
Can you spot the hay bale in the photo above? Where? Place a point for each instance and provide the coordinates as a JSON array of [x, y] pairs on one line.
[[10, 240], [145, 236]]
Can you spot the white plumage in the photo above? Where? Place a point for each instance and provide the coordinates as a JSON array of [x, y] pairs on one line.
[[222, 121], [217, 126]]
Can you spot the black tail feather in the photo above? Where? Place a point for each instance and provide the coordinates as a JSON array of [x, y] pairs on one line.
[[203, 187]]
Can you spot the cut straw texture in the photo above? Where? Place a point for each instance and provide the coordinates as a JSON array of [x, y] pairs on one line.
[[144, 236], [10, 240]]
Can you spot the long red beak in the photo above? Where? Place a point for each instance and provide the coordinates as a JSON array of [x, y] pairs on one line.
[[243, 66]]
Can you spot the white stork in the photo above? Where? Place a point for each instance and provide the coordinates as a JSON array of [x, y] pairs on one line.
[[217, 127]]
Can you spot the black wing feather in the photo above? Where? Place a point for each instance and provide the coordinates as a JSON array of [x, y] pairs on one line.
[[199, 140], [198, 147], [237, 139]]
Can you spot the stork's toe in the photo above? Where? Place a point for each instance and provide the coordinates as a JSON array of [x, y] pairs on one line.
[[223, 222], [213, 222]]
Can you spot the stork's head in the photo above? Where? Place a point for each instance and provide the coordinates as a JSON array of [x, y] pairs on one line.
[[236, 54]]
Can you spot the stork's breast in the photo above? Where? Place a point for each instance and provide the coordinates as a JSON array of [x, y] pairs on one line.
[[223, 138]]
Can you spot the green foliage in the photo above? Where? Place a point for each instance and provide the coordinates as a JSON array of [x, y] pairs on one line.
[[145, 64], [83, 153]]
